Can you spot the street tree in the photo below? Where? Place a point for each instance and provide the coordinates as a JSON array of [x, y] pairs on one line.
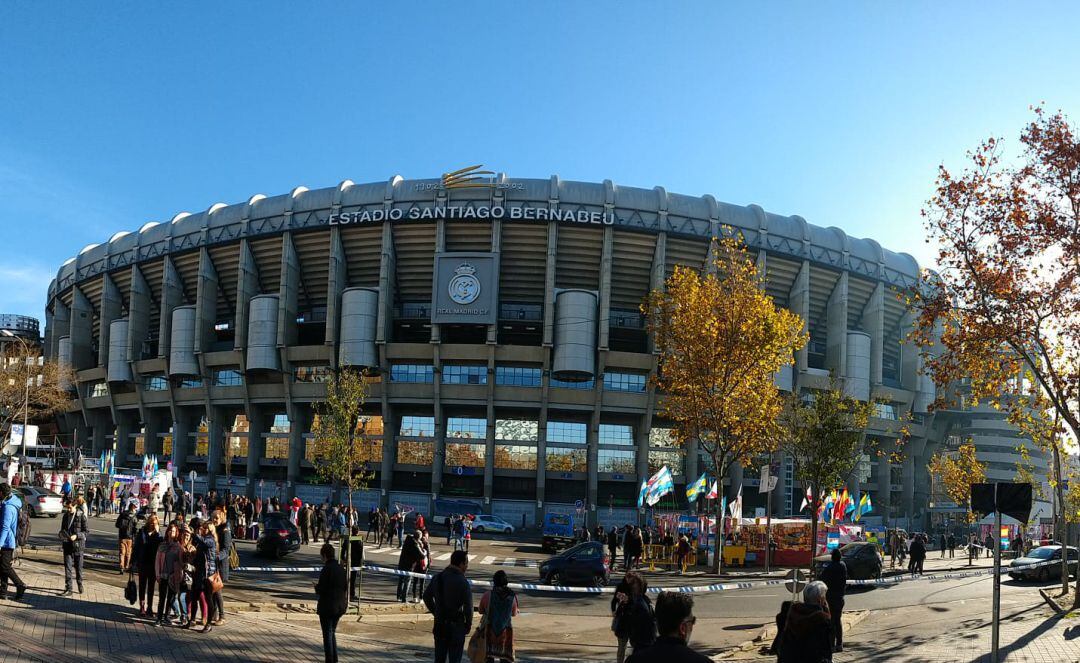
[[957, 474], [32, 390], [720, 338], [823, 434]]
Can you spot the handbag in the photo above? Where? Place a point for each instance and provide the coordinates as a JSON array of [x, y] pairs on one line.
[[234, 557], [131, 591], [477, 650], [215, 582]]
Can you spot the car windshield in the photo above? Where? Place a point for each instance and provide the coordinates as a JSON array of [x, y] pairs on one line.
[[851, 548], [1041, 553], [578, 549]]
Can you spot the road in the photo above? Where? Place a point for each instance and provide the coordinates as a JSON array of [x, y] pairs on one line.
[[551, 621]]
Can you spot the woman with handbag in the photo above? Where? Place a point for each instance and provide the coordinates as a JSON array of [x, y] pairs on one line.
[[144, 558], [632, 617], [204, 562], [168, 556], [498, 606], [223, 533]]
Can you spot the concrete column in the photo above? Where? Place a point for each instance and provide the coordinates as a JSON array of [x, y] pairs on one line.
[[641, 444], [247, 286], [549, 288], [440, 426], [112, 307], [299, 425], [659, 272], [206, 297], [440, 246], [541, 451], [489, 454], [592, 462], [172, 295], [217, 425], [154, 424], [336, 281], [259, 422], [390, 428], [102, 427], [126, 424], [883, 498], [60, 326], [873, 323], [908, 500], [139, 308], [496, 248], [81, 331], [799, 302], [288, 293], [836, 328], [183, 426], [387, 287], [605, 287]]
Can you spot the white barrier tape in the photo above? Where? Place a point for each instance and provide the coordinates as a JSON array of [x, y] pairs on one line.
[[686, 589]]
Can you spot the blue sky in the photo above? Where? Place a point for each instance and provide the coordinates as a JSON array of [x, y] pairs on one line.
[[115, 114]]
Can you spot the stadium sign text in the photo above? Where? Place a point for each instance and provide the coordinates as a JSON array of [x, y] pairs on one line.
[[477, 213]]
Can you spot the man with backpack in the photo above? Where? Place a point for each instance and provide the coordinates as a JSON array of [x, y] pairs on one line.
[[126, 524], [14, 530]]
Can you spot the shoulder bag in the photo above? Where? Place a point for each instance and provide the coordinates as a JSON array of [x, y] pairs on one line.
[[477, 649]]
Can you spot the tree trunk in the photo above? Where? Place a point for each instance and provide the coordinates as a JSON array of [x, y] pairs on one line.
[[814, 496], [718, 546], [1059, 507]]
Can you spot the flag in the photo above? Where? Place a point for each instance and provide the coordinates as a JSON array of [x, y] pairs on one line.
[[807, 499], [839, 505], [736, 505], [662, 483], [827, 505], [711, 495], [642, 492], [696, 488], [864, 507], [850, 507]]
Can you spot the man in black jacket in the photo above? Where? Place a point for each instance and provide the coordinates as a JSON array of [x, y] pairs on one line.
[[72, 540], [332, 588], [449, 598], [835, 578], [675, 620], [126, 524], [356, 558], [303, 518], [407, 561]]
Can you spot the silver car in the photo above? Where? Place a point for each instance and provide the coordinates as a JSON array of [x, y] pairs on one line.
[[42, 501]]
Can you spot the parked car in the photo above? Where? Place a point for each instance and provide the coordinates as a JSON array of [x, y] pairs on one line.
[[42, 501], [1043, 573], [277, 536], [558, 532], [489, 523], [584, 564], [862, 559]]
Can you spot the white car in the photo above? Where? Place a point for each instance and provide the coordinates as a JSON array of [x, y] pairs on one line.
[[488, 523], [43, 502]]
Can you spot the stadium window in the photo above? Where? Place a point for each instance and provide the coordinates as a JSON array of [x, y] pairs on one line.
[[155, 383], [615, 461], [616, 434], [228, 377], [567, 384], [459, 454], [628, 382], [566, 432], [515, 457], [464, 374], [277, 448], [414, 426], [517, 430], [99, 389], [315, 373], [885, 411], [412, 373], [662, 437], [415, 452], [191, 383], [466, 428], [558, 459], [517, 376], [673, 459]]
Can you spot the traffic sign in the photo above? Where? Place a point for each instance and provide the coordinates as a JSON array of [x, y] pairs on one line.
[[795, 581], [192, 476], [579, 505]]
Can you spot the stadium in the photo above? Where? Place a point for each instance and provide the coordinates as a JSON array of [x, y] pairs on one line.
[[499, 321]]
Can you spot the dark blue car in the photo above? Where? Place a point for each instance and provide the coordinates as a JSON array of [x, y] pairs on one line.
[[584, 564]]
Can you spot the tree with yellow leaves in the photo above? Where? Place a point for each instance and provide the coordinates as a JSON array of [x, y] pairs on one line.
[[958, 474], [720, 338]]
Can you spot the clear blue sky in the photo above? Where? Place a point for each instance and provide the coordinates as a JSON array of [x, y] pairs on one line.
[[115, 114]]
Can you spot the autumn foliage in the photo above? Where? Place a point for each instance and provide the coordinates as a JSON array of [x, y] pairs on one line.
[[958, 473]]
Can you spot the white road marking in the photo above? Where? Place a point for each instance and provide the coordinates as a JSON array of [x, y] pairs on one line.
[[509, 561], [488, 560], [443, 557]]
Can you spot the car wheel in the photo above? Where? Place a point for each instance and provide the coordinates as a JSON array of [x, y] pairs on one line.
[[508, 531], [1043, 575], [555, 578], [53, 515], [479, 530], [598, 580], [877, 573]]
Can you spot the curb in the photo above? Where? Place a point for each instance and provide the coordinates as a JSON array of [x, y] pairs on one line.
[[1052, 601]]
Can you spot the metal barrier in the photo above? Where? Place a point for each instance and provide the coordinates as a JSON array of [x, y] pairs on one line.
[[666, 556]]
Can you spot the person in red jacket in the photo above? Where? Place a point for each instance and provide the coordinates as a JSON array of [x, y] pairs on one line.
[[419, 522]]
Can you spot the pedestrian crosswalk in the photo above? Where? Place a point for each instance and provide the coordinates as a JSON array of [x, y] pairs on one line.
[[486, 560]]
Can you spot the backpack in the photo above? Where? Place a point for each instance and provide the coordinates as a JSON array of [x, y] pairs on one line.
[[22, 528]]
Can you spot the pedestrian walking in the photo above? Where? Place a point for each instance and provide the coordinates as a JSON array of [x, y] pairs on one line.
[[203, 565], [449, 599], [127, 523], [223, 533], [989, 545], [332, 589], [449, 528], [952, 545], [408, 560], [918, 555], [168, 500], [154, 501], [72, 542], [399, 527], [391, 529], [356, 559], [835, 577], [498, 606], [632, 618], [944, 545], [417, 585], [165, 566], [372, 525], [807, 632], [10, 508], [682, 553], [143, 558], [675, 621], [320, 522], [613, 547], [303, 519]]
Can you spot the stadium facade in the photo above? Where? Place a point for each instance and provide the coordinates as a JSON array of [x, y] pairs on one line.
[[500, 321]]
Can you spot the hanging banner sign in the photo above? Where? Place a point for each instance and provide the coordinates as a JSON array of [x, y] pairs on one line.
[[474, 213]]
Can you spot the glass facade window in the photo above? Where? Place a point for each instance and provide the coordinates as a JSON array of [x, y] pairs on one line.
[[228, 377], [412, 373], [155, 383], [515, 457], [559, 459], [367, 450], [464, 374], [673, 459], [281, 423], [885, 411], [615, 461], [370, 425], [518, 430], [413, 426], [99, 389], [616, 434], [237, 446], [566, 432], [415, 452], [312, 373], [277, 448], [191, 383], [140, 444], [565, 384], [466, 428], [662, 437], [517, 376], [166, 445], [629, 382], [459, 454]]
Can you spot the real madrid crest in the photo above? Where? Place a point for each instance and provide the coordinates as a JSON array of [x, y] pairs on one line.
[[464, 287]]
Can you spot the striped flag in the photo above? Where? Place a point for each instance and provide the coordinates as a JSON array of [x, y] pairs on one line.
[[696, 488], [865, 506], [662, 483]]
